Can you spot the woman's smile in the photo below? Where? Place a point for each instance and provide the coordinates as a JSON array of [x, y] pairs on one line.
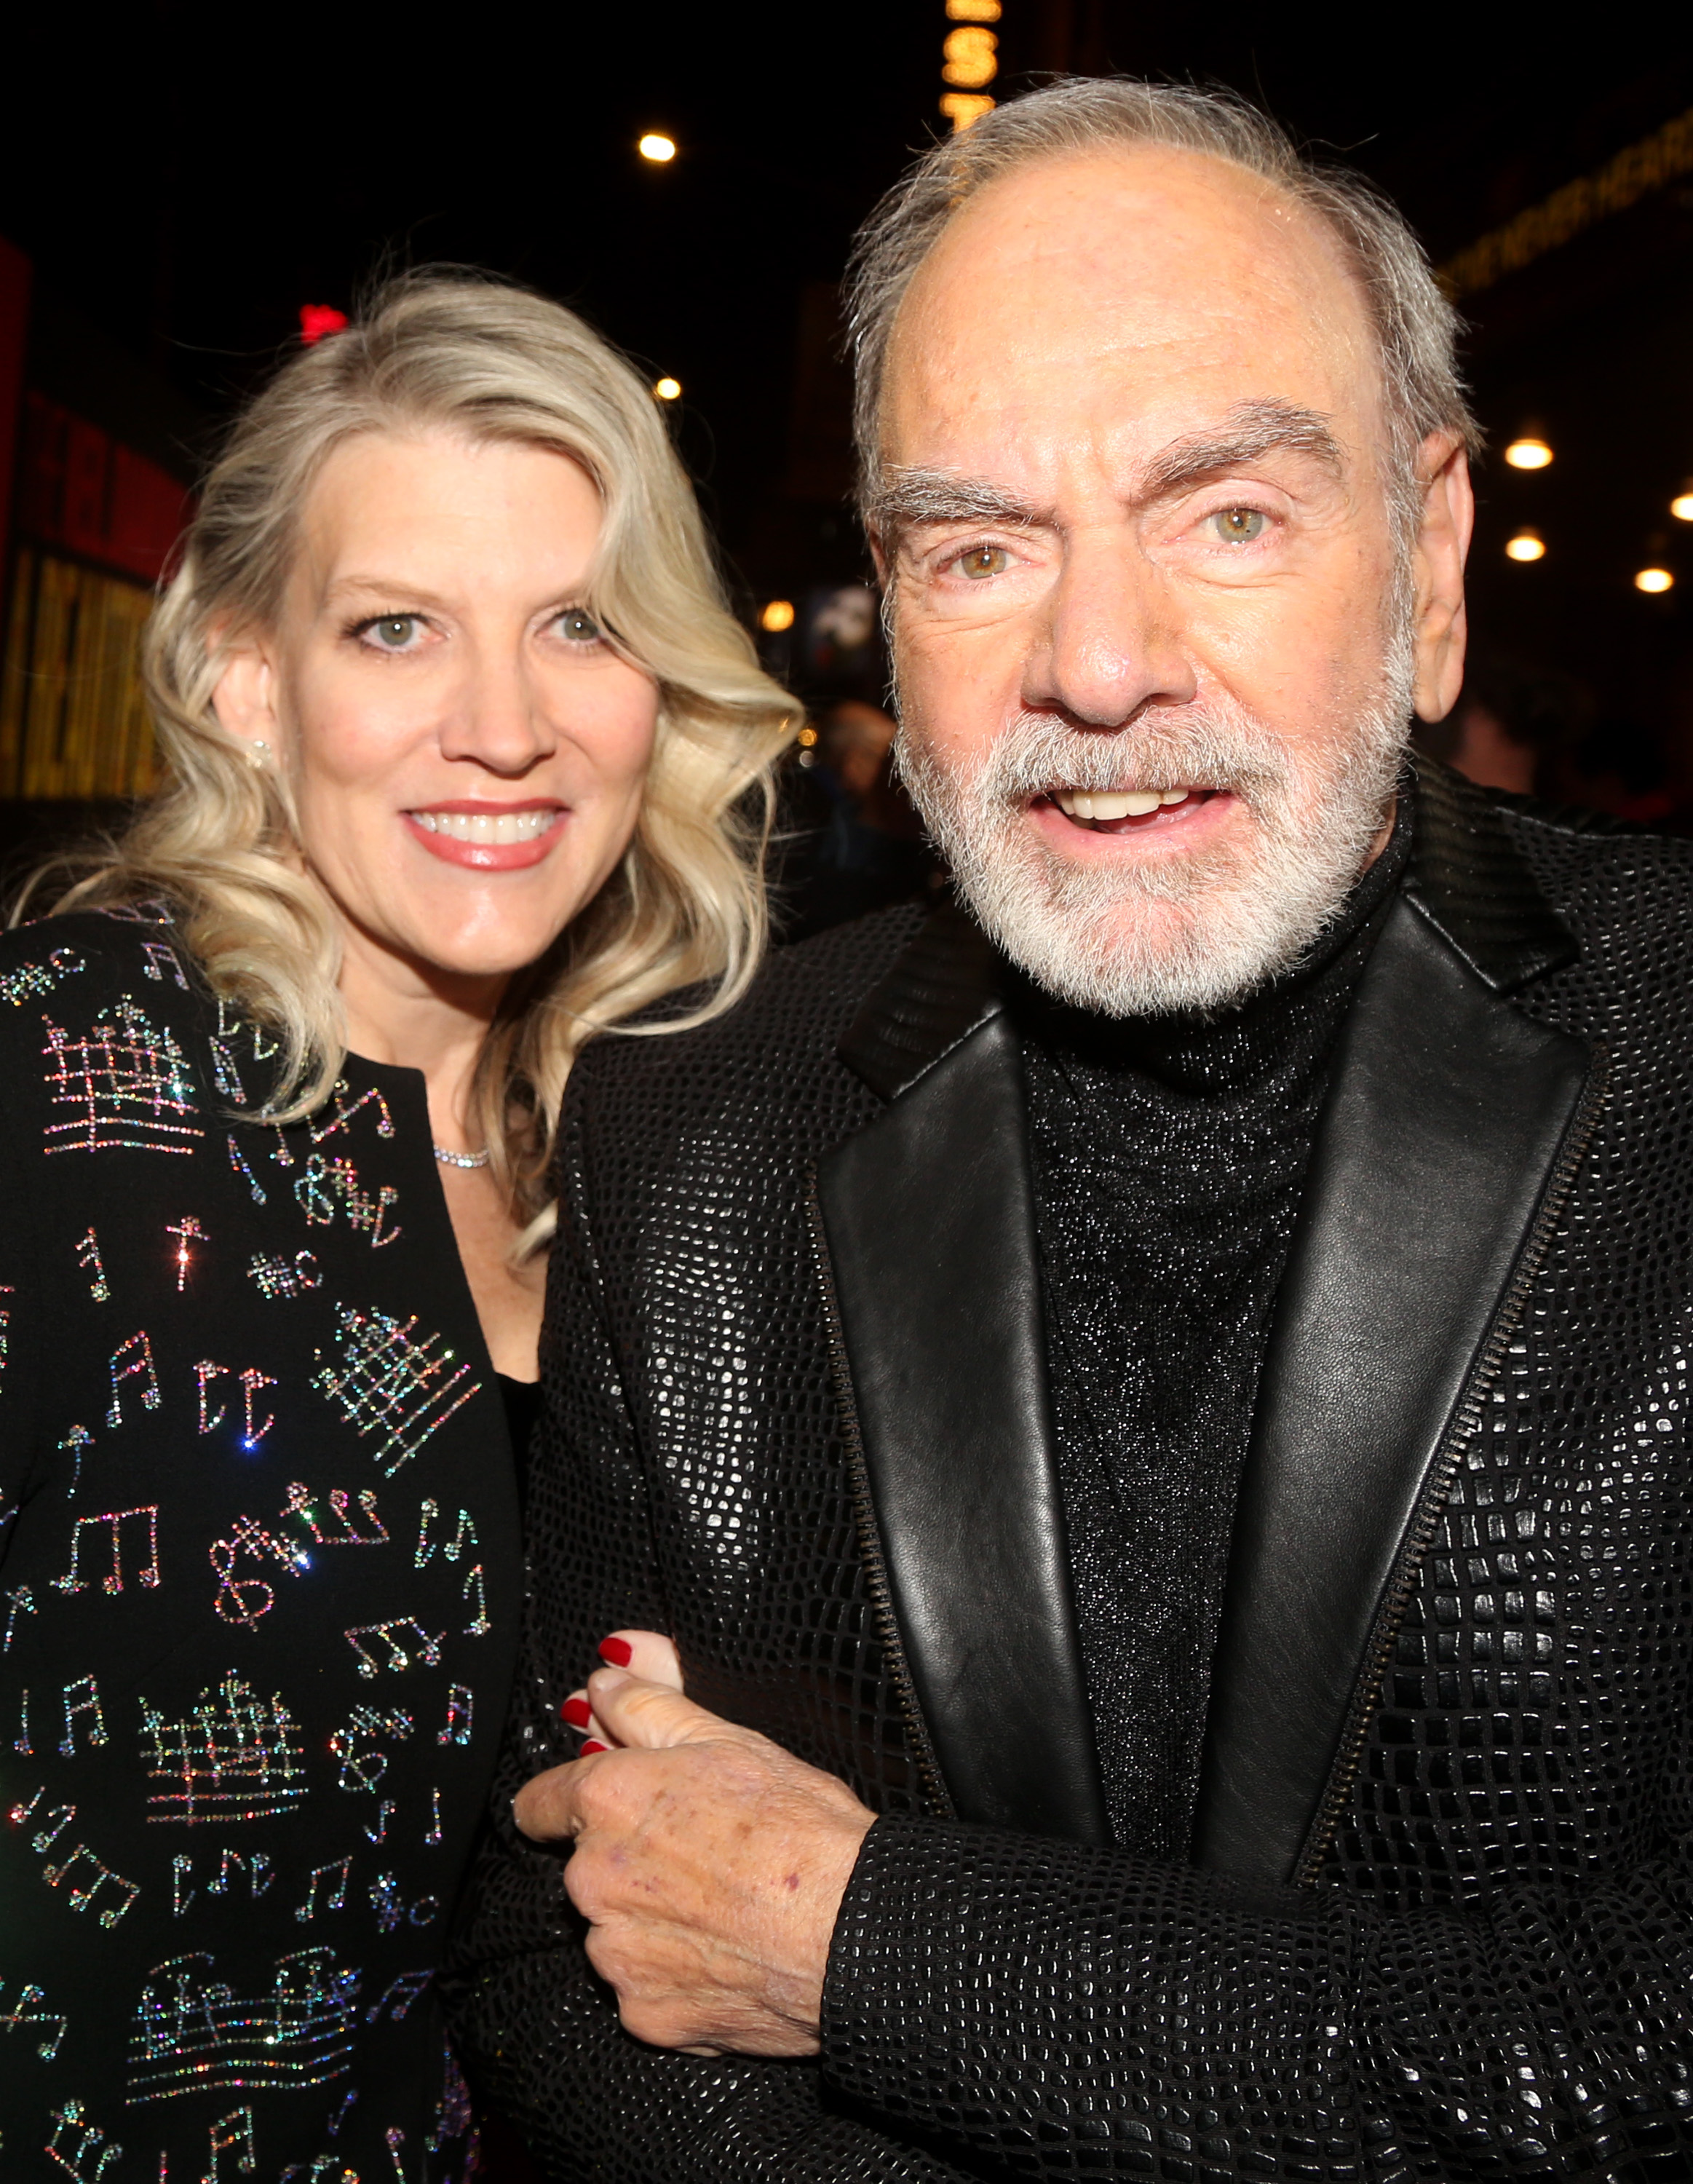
[[490, 837]]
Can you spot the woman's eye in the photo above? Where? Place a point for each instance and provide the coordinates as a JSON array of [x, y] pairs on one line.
[[393, 632], [980, 561], [1237, 527], [578, 627]]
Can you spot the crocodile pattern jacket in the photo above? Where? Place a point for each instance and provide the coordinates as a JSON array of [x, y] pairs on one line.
[[1438, 1922]]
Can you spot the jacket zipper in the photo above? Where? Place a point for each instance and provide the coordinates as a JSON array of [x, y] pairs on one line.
[[1432, 1501], [869, 1538]]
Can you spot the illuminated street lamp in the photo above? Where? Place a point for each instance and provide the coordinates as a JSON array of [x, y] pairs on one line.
[[1529, 453], [667, 389], [1653, 580], [1682, 506], [1526, 546], [777, 615], [657, 147]]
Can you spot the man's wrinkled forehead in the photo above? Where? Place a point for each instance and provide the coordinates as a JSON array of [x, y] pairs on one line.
[[1122, 297]]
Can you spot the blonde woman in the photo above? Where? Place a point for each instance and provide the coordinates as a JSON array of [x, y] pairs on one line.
[[464, 758]]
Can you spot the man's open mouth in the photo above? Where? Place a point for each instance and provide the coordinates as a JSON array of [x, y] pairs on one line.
[[1100, 808]]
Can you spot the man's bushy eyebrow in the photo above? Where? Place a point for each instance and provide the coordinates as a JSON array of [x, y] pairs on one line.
[[911, 495], [1250, 432]]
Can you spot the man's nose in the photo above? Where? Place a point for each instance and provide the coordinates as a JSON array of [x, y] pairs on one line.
[[1111, 643], [498, 719]]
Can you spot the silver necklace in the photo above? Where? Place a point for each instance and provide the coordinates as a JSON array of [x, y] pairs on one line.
[[462, 1160]]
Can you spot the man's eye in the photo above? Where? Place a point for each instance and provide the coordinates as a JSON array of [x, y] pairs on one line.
[[393, 632], [578, 627], [983, 561], [1237, 527]]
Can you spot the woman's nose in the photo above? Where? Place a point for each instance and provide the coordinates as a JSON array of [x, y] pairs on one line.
[[499, 720]]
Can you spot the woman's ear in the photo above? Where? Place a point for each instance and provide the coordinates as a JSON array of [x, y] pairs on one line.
[[244, 696]]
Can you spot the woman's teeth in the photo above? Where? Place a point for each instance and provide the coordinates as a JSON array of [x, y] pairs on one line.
[[493, 828], [1115, 802]]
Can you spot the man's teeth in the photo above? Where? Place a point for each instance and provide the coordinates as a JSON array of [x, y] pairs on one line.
[[1115, 802], [492, 828]]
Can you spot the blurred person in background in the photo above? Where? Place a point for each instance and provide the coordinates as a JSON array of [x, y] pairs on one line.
[[856, 745], [851, 839], [1531, 731], [1512, 727], [1146, 1414], [464, 759], [841, 650]]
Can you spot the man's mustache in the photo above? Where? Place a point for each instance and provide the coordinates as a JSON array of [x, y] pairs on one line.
[[1037, 755]]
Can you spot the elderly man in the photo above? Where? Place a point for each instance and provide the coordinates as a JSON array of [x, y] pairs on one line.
[[1151, 1406]]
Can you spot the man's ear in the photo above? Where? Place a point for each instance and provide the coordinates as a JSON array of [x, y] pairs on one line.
[[1443, 540], [244, 696]]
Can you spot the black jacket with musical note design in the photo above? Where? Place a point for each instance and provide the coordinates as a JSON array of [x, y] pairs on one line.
[[258, 1567]]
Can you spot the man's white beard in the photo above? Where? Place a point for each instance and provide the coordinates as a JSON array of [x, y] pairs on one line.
[[1245, 910]]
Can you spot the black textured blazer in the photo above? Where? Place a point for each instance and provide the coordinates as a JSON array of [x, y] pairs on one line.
[[258, 1586], [1438, 1923]]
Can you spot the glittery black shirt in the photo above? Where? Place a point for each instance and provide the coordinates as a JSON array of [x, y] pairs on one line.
[[1169, 1154]]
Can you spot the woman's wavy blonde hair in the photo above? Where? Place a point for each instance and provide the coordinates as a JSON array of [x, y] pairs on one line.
[[685, 905]]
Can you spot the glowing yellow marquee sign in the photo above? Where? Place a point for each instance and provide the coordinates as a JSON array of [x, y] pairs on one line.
[[970, 59]]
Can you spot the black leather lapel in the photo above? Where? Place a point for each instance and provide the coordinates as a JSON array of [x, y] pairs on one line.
[[941, 985], [1466, 874], [1445, 1120], [929, 1216]]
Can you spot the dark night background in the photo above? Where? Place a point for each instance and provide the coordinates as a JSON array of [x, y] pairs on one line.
[[184, 178]]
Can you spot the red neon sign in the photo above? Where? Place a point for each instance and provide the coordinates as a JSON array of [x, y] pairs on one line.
[[317, 320]]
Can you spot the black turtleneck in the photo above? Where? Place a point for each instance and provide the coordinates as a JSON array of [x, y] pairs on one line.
[[1169, 1156]]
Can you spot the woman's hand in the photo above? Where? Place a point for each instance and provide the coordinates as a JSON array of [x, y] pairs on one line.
[[709, 1862], [645, 1654]]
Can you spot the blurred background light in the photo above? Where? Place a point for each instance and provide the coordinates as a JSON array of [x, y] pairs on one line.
[[317, 320], [1682, 505], [779, 615], [1530, 453], [961, 108], [667, 389], [656, 148], [973, 11], [1526, 546], [1653, 580], [971, 57]]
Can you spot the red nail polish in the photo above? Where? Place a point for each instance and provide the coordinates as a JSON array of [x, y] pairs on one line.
[[592, 1744], [578, 1712], [616, 1652]]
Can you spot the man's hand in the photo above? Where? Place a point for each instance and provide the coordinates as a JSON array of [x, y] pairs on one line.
[[711, 1865]]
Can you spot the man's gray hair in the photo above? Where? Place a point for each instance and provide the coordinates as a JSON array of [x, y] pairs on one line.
[[1415, 327]]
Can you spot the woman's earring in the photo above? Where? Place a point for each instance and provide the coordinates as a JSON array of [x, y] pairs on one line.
[[258, 752]]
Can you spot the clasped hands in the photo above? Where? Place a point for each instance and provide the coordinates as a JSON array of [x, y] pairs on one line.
[[709, 1862]]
